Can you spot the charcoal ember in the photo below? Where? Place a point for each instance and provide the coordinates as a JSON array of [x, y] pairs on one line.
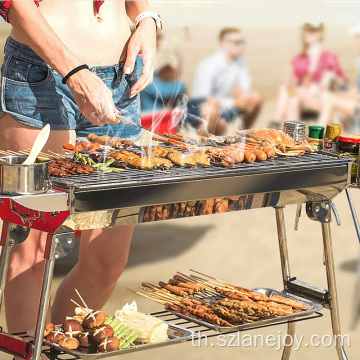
[[220, 205], [182, 208], [158, 212], [146, 217], [166, 211], [206, 207], [152, 213], [174, 210]]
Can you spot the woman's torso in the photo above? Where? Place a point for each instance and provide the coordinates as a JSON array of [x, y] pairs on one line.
[[96, 38], [325, 62]]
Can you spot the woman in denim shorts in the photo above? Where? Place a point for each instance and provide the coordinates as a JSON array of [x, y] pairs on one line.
[[47, 41]]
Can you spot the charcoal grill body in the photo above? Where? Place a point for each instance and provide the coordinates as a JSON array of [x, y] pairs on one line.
[[99, 201]]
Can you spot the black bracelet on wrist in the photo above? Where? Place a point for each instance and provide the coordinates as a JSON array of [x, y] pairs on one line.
[[73, 71]]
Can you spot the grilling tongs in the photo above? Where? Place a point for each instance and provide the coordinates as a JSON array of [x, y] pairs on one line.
[[128, 121]]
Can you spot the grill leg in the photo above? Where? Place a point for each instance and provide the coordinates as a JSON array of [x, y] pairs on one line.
[[57, 246], [285, 267], [353, 212], [4, 260], [45, 297], [330, 274], [11, 235]]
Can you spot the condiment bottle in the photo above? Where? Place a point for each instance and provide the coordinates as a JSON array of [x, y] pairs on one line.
[[330, 141], [316, 136], [295, 129], [349, 145]]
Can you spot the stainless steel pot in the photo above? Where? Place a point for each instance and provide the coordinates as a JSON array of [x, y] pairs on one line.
[[16, 178]]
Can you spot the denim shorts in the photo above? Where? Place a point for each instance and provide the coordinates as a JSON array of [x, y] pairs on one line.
[[32, 92]]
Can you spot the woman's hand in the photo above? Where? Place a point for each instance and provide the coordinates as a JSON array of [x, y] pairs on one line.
[[93, 97], [142, 43]]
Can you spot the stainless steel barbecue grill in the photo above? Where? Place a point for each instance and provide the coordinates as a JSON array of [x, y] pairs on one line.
[[104, 200]]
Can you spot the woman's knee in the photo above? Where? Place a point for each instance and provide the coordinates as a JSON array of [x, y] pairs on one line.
[[104, 274], [104, 254], [257, 98]]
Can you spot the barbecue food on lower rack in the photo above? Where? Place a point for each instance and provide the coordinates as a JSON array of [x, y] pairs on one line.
[[194, 208], [67, 167], [217, 302], [152, 329], [96, 331]]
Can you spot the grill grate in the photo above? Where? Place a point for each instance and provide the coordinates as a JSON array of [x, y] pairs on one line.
[[133, 177]]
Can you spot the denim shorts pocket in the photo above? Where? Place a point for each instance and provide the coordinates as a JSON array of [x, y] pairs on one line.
[[131, 79], [20, 71]]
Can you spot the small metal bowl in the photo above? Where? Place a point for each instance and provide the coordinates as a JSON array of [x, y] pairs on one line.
[[19, 179]]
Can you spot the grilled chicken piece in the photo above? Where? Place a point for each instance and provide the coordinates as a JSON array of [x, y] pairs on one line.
[[161, 151], [162, 162], [181, 160], [201, 159]]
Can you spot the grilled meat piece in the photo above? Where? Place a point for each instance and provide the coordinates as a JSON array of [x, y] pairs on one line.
[[162, 163], [183, 160], [68, 167], [287, 301], [174, 289]]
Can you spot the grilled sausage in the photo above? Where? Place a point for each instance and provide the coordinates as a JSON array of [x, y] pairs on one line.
[[249, 156]]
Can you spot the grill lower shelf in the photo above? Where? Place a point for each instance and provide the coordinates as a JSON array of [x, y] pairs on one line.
[[176, 333], [311, 305]]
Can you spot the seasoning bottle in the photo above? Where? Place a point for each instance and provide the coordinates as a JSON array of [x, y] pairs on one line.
[[330, 141], [316, 136], [349, 145]]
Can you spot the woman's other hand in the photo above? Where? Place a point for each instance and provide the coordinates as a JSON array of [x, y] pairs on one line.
[[93, 97], [142, 43]]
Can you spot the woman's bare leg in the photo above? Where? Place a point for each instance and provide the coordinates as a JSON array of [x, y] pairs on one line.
[[27, 260], [281, 104], [16, 136], [210, 111], [252, 109], [102, 259], [305, 100]]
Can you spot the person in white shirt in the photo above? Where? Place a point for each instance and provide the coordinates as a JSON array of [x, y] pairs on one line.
[[222, 88]]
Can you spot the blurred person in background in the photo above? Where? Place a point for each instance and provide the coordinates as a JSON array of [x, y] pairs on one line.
[[222, 88], [166, 88], [314, 71], [344, 107]]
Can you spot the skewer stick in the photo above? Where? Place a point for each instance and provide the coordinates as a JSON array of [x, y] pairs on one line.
[[213, 278], [74, 302], [13, 152], [186, 277], [148, 297], [82, 300], [56, 154]]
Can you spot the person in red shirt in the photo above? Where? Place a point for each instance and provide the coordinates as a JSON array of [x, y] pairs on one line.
[[71, 64], [314, 71]]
